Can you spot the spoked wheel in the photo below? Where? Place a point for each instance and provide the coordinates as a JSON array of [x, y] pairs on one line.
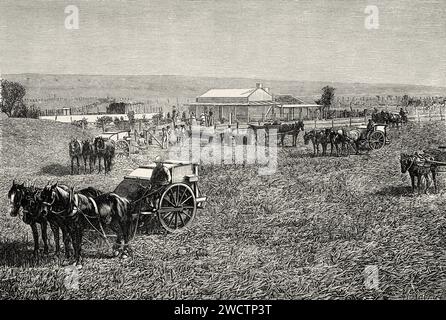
[[122, 148], [177, 207], [377, 140]]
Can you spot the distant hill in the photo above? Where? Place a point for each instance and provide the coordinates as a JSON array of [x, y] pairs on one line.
[[185, 87], [33, 144]]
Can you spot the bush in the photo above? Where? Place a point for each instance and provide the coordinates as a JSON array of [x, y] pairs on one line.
[[23, 111], [80, 123]]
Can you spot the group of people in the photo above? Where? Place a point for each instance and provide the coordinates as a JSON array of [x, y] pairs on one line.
[[170, 137], [205, 118]]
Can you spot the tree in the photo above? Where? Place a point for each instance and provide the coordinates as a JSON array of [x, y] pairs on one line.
[[326, 100], [12, 96], [103, 121]]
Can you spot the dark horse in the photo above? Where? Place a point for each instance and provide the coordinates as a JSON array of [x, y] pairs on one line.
[[23, 197], [338, 140], [104, 149], [55, 203], [290, 129], [106, 210], [317, 137], [75, 151], [88, 153], [418, 168], [77, 210]]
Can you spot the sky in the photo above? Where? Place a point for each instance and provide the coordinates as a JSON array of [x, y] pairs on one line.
[[320, 40]]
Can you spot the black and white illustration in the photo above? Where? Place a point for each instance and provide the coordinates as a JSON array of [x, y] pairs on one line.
[[239, 149]]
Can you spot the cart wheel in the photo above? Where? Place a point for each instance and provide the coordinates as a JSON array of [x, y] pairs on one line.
[[177, 207], [122, 148], [377, 140]]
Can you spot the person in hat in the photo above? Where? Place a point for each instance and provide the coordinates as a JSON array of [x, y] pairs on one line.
[[160, 174]]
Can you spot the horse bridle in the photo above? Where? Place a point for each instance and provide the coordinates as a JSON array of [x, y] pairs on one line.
[[412, 159]]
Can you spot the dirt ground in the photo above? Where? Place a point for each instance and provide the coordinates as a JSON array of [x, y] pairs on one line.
[[314, 229]]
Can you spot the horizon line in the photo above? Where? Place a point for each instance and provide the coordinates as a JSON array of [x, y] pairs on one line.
[[222, 77]]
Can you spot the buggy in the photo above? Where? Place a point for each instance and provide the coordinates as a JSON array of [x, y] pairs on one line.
[[174, 204], [121, 139], [375, 139]]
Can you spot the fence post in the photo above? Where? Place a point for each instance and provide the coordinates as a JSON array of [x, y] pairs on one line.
[[350, 124], [332, 123], [315, 123]]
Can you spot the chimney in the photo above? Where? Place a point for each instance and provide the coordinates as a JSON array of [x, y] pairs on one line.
[[259, 85]]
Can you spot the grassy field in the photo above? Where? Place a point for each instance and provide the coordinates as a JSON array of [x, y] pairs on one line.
[[309, 231]]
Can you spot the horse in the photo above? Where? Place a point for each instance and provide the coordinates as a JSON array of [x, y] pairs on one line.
[[394, 119], [108, 209], [88, 152], [337, 140], [104, 149], [20, 196], [55, 204], [75, 151], [291, 129], [317, 137], [418, 169]]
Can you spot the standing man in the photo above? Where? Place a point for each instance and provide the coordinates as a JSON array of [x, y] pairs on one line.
[[164, 140]]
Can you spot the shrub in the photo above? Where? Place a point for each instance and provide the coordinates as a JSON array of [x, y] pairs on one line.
[[23, 111], [103, 121], [80, 123]]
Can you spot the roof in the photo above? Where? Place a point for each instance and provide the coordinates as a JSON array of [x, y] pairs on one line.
[[228, 93], [299, 105], [287, 99], [247, 104]]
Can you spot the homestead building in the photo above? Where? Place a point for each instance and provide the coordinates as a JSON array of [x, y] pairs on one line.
[[235, 104], [252, 104]]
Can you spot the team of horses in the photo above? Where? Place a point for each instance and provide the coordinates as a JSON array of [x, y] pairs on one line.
[[69, 211], [90, 152], [420, 166], [389, 118]]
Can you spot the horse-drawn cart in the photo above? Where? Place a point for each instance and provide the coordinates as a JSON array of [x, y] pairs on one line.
[[437, 158], [175, 204], [364, 139], [121, 140]]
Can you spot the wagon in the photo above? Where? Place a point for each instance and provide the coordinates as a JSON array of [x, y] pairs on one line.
[[438, 158], [175, 204], [374, 140], [121, 140]]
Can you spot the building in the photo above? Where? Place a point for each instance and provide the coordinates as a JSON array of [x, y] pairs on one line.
[[290, 108], [230, 105]]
